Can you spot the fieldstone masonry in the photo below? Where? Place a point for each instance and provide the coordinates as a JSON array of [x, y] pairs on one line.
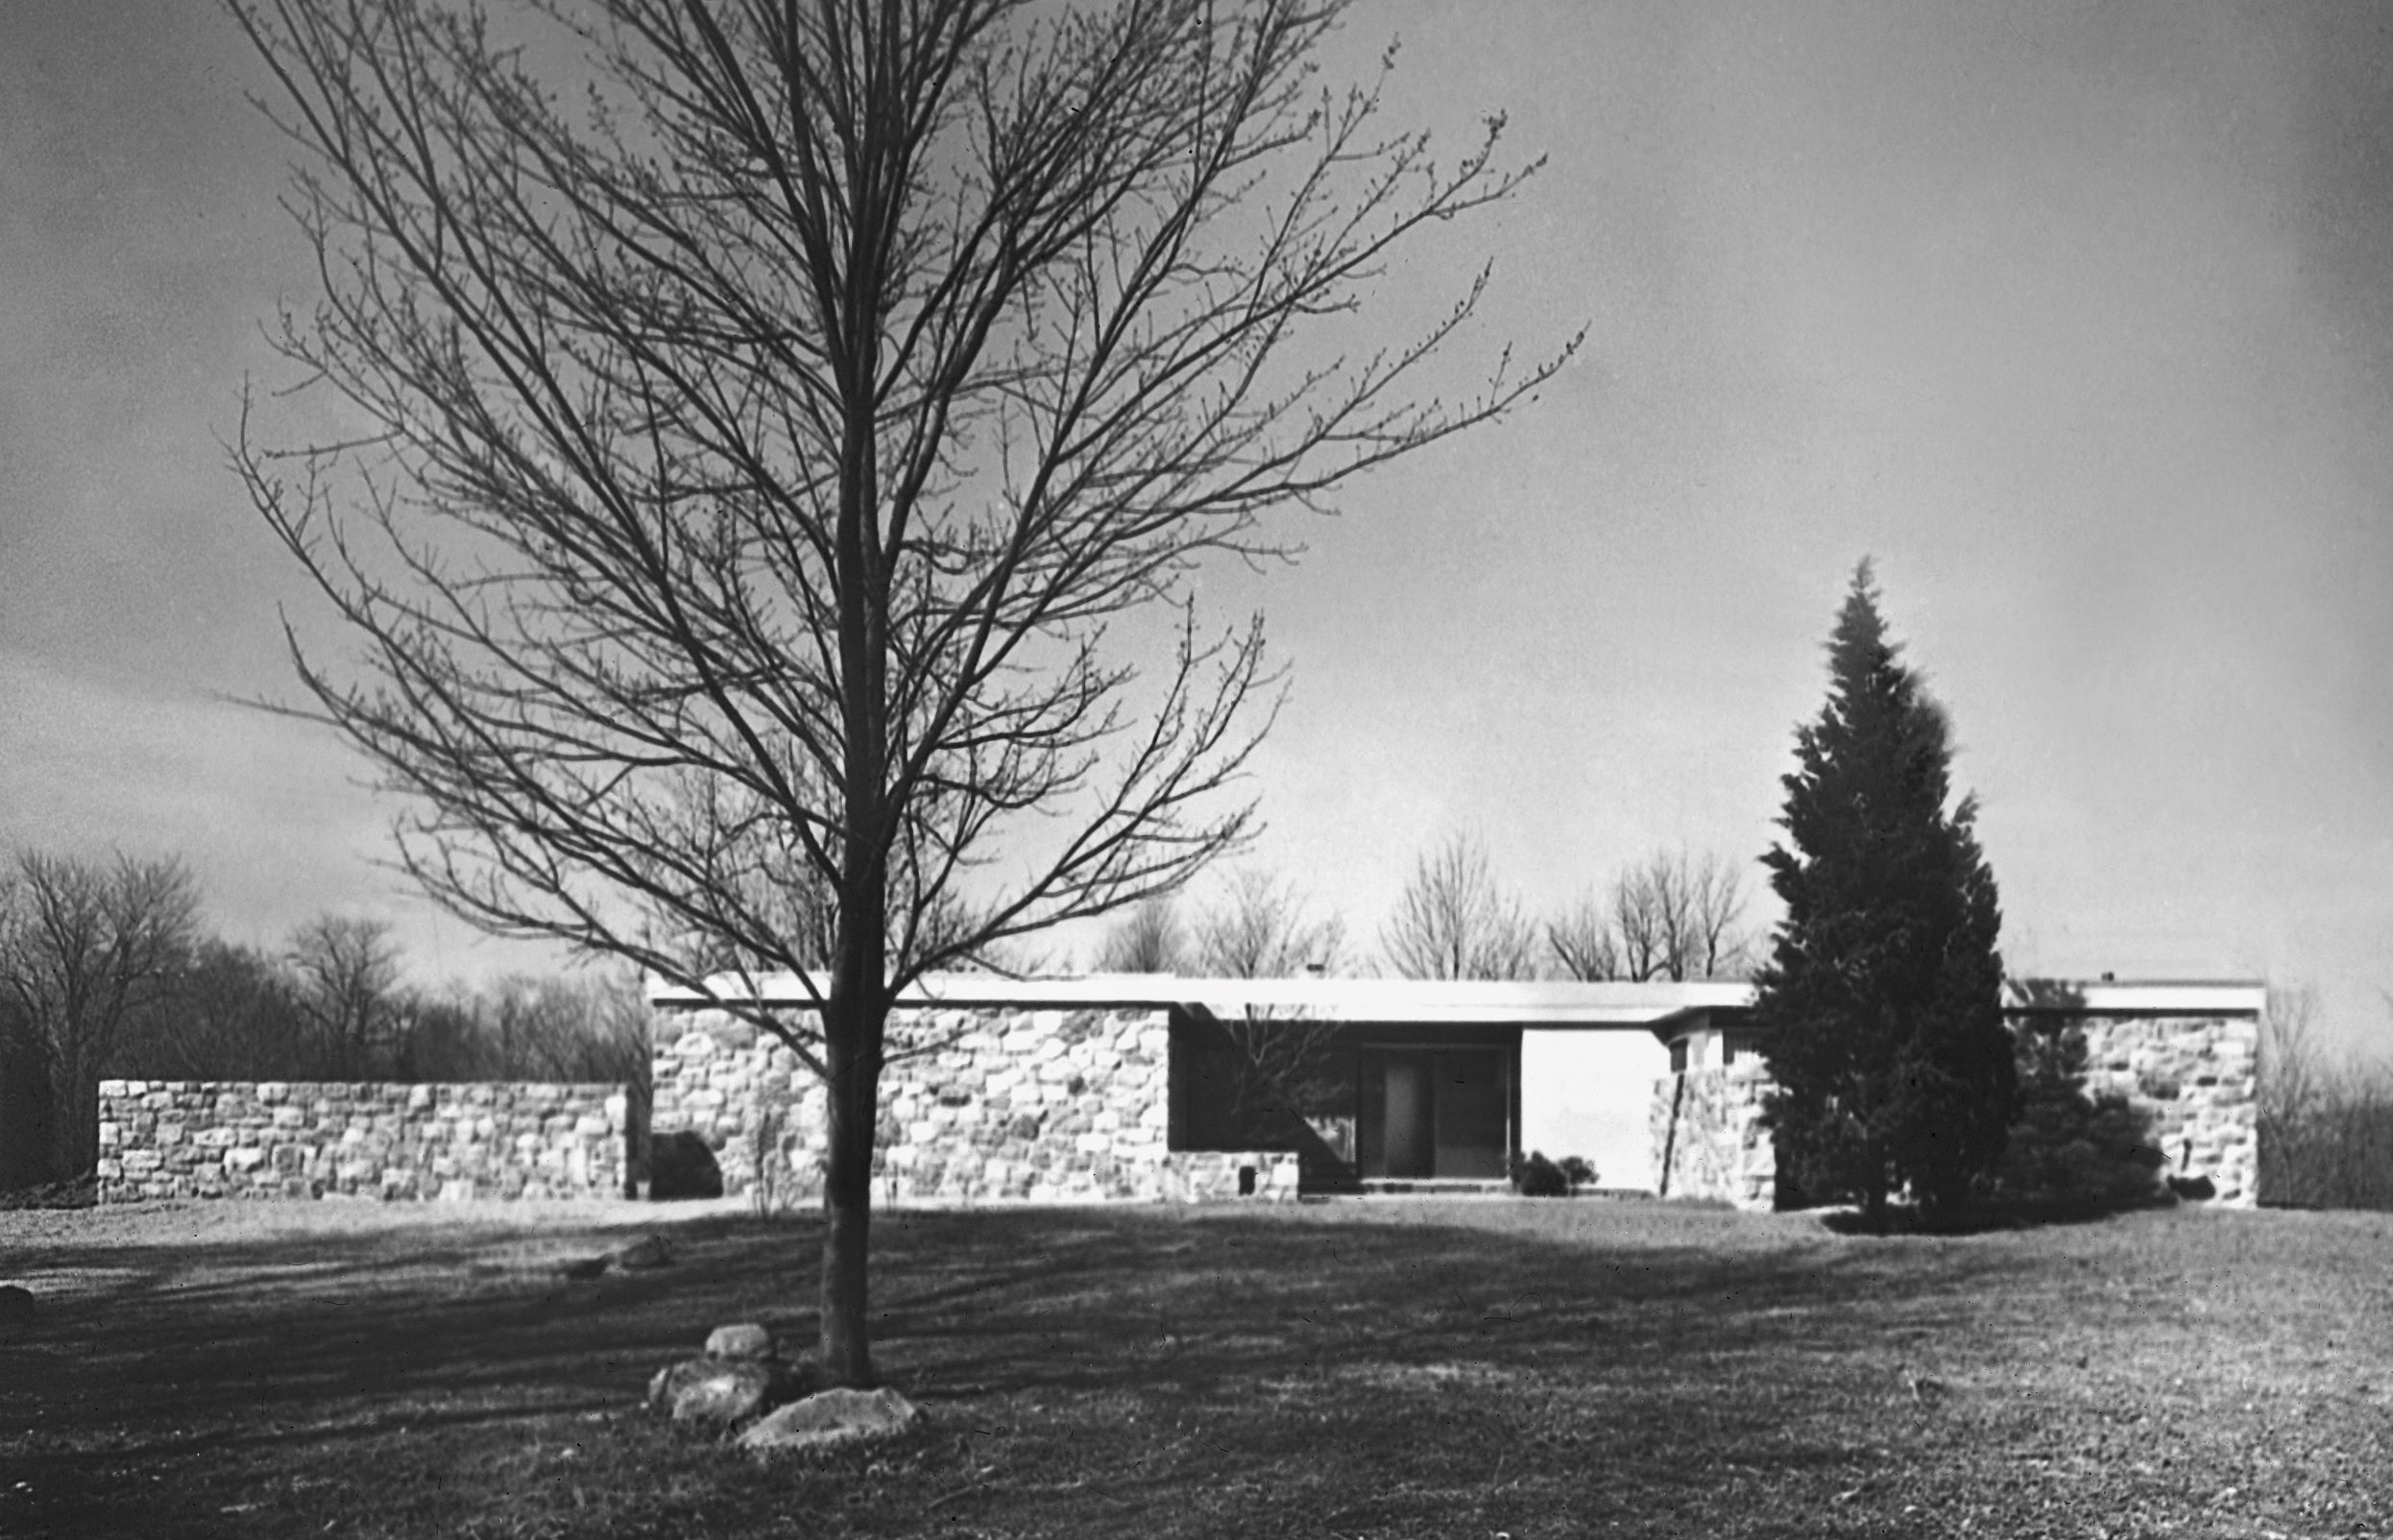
[[1709, 1142], [2190, 1079], [1046, 1106], [162, 1138], [2197, 1080]]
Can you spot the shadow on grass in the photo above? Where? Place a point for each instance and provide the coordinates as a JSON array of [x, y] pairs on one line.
[[1984, 1217], [1363, 1363], [322, 1338]]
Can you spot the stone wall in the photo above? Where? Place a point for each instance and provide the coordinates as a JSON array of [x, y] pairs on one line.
[[2196, 1079], [173, 1139], [2190, 1082], [1709, 1142], [1045, 1106]]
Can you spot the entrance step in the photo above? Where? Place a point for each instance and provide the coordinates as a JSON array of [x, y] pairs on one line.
[[1443, 1187]]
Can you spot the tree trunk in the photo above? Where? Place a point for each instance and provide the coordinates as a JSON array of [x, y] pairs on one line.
[[852, 1054], [74, 1122]]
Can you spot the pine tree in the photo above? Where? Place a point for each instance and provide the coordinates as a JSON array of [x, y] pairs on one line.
[[1882, 997]]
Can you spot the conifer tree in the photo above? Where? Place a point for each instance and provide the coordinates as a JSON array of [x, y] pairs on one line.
[[1882, 997]]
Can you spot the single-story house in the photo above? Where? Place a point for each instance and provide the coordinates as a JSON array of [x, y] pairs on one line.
[[1157, 1087]]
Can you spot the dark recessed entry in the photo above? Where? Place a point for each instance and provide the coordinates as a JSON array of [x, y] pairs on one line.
[[1430, 1113]]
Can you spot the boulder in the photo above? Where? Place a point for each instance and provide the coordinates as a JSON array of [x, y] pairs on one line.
[[681, 1166], [16, 1306], [831, 1419], [716, 1392], [648, 1251], [746, 1340]]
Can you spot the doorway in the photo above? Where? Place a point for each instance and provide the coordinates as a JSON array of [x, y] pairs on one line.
[[1433, 1112]]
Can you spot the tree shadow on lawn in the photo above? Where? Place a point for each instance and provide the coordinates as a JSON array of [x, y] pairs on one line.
[[308, 1326], [1142, 1349], [305, 1336], [164, 1337], [1211, 1304]]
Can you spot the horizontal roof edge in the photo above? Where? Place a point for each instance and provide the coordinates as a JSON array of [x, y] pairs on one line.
[[1531, 1003]]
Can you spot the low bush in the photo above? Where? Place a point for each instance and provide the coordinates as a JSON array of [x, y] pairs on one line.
[[1533, 1176]]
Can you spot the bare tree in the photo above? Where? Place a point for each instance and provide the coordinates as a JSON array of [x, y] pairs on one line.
[[345, 974], [1584, 942], [85, 950], [231, 1013], [1262, 928], [1453, 922], [2324, 1130], [1644, 920], [1672, 916], [1148, 939], [759, 432], [1714, 887]]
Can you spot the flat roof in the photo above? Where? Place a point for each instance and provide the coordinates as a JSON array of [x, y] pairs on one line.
[[1529, 1003]]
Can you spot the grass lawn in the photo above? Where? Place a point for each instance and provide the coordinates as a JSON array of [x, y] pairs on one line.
[[1384, 1368]]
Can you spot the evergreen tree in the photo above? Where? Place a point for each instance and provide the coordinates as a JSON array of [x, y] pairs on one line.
[[1882, 996]]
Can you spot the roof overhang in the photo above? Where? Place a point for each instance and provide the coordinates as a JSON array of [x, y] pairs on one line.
[[2059, 997], [1543, 1003], [1426, 1001]]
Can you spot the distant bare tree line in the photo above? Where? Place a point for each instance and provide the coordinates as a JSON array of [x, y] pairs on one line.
[[107, 970], [1674, 915], [2326, 1134], [1260, 926]]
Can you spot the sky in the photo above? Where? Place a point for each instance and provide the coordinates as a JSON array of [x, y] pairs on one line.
[[2077, 320]]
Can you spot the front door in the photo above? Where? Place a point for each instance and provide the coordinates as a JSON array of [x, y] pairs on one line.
[[1469, 1106], [1409, 1110], [1433, 1112]]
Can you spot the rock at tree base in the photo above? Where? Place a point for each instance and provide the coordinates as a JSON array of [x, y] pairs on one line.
[[745, 1340], [721, 1392], [681, 1166], [833, 1417]]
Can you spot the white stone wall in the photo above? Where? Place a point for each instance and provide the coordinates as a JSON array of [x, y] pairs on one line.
[[2193, 1079], [2197, 1080], [1708, 1138], [174, 1139], [1043, 1106]]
